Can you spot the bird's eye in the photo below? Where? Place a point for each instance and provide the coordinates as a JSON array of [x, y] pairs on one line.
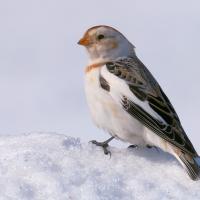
[[99, 37]]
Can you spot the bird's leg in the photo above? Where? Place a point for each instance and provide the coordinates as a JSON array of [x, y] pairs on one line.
[[104, 145]]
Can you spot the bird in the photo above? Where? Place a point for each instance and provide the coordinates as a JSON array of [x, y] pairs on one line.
[[126, 101]]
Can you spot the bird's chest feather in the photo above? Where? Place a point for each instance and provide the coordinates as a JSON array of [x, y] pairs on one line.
[[106, 112], [101, 104]]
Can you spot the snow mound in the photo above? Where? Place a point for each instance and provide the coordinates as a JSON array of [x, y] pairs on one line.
[[57, 167]]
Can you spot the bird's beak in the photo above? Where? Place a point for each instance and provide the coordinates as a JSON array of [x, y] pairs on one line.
[[84, 41]]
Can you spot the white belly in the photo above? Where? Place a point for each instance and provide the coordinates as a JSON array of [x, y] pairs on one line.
[[109, 115]]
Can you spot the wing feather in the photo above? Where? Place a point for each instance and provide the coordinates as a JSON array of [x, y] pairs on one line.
[[143, 85]]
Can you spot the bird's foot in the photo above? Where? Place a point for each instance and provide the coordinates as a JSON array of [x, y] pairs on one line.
[[150, 147], [133, 146], [104, 145]]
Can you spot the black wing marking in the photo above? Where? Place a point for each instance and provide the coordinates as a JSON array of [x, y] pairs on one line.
[[103, 83], [145, 87], [167, 132]]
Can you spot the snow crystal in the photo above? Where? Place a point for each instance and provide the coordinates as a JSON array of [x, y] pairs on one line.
[[57, 167]]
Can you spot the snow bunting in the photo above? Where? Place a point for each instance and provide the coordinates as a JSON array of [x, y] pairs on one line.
[[126, 101]]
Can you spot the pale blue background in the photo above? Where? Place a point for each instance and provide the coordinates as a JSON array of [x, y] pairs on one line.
[[42, 67]]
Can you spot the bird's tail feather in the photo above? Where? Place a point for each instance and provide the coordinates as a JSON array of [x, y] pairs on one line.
[[191, 164]]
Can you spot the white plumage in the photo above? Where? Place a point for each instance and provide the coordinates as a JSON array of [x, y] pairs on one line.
[[108, 114], [149, 119]]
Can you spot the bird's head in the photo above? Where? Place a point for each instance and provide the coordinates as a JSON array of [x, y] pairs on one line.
[[106, 43]]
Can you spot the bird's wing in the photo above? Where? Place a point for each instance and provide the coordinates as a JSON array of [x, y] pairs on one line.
[[134, 87]]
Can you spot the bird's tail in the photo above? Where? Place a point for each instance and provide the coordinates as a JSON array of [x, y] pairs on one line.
[[191, 165]]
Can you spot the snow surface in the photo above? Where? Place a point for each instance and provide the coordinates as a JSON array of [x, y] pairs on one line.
[[52, 166]]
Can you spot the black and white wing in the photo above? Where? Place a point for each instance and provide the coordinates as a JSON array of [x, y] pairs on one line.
[[142, 97]]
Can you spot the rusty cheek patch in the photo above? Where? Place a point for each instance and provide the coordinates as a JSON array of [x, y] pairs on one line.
[[114, 45], [111, 44]]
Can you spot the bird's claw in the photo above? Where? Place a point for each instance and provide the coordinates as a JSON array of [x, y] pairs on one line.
[[107, 152], [154, 147], [133, 146], [104, 145]]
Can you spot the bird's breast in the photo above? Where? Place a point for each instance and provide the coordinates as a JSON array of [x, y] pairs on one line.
[[106, 112], [100, 103]]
